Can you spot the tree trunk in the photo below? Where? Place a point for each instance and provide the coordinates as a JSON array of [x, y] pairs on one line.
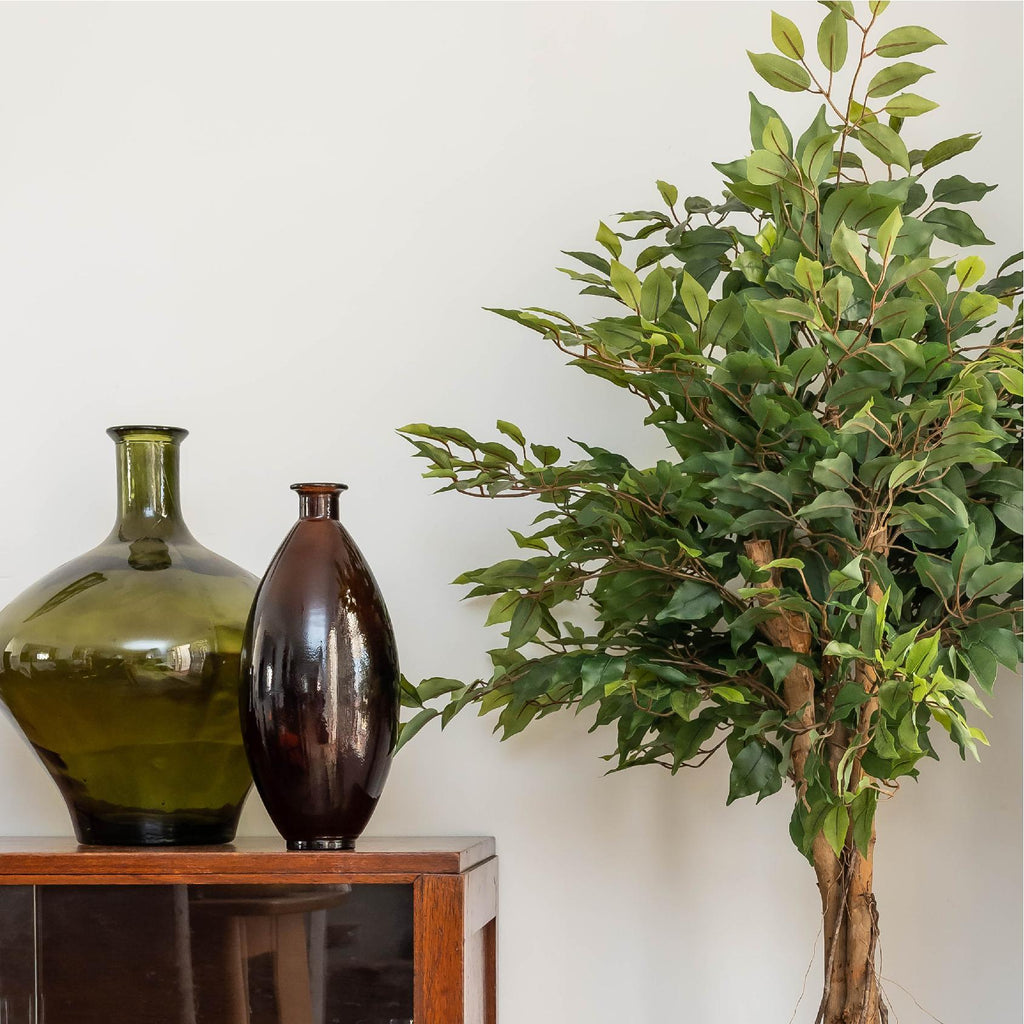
[[850, 923], [850, 992]]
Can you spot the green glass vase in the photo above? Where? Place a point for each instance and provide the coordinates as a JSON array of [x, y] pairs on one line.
[[121, 667]]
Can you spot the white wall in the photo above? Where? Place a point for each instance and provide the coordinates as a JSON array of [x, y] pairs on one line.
[[277, 226]]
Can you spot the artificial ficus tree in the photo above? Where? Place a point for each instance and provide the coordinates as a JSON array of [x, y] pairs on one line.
[[825, 567]]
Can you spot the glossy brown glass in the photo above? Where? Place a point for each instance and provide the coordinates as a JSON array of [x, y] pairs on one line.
[[319, 698]]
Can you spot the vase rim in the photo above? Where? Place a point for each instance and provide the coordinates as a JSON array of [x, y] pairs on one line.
[[126, 431], [319, 488]]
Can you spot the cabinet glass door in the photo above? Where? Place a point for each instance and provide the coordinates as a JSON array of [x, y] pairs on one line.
[[206, 954]]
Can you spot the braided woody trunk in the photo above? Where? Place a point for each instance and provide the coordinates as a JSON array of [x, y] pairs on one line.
[[850, 920]]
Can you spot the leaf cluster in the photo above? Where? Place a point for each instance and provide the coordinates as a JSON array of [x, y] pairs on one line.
[[824, 381]]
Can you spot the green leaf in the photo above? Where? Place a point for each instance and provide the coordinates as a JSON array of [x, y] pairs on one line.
[[947, 149], [907, 39], [816, 159], [955, 226], [413, 726], [786, 37], [776, 138], [809, 274], [896, 77], [694, 298], [959, 189], [876, 7], [834, 474], [656, 294], [862, 811], [754, 769], [835, 826], [805, 364], [668, 192], [503, 607], [837, 295], [995, 579], [827, 505], [977, 306], [969, 271], [765, 168], [691, 600], [779, 72], [511, 430], [546, 453], [850, 697], [848, 250], [723, 322], [730, 694], [881, 140], [599, 670], [626, 284], [888, 233], [526, 621], [906, 470], [833, 40], [609, 239], [909, 104]]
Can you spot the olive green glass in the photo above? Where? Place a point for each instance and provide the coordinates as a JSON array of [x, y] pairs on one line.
[[121, 667]]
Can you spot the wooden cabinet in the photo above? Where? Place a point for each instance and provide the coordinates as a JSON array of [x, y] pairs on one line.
[[397, 931]]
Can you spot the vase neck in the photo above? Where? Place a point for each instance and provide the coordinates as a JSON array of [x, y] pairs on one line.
[[319, 501], [148, 499]]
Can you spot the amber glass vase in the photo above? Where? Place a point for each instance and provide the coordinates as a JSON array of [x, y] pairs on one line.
[[121, 667], [320, 683]]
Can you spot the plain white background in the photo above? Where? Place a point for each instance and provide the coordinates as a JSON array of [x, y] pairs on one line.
[[277, 225]]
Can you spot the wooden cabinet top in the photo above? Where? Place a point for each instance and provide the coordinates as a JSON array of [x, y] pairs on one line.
[[62, 861]]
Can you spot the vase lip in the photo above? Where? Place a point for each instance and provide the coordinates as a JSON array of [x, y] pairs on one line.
[[145, 432], [319, 488]]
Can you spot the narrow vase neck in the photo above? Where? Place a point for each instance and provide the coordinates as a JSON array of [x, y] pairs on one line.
[[319, 501], [148, 498]]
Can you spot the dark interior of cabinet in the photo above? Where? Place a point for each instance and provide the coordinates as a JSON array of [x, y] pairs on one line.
[[202, 954]]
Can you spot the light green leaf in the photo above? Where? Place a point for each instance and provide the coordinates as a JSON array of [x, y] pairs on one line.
[[837, 295], [896, 77], [881, 140], [512, 431], [970, 270], [779, 72], [776, 138], [905, 471], [809, 274], [694, 298], [907, 39], [909, 104], [977, 306], [835, 827], [730, 694], [833, 40], [668, 192], [656, 294], [626, 284], [766, 168], [786, 37], [503, 607], [888, 233], [609, 239]]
